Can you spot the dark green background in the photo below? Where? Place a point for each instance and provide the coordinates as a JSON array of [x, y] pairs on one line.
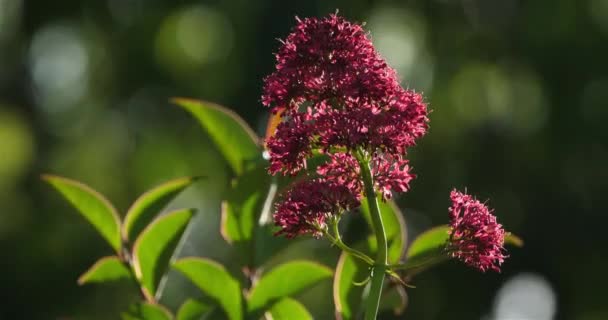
[[518, 91]]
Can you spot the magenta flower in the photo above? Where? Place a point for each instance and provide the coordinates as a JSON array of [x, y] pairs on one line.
[[306, 206], [389, 174], [327, 59], [476, 238], [335, 92], [350, 96]]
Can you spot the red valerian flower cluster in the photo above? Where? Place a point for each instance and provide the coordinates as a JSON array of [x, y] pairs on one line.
[[335, 92], [307, 205], [476, 238]]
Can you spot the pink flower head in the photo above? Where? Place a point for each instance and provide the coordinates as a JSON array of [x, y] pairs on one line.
[[476, 238], [351, 97], [328, 58], [306, 206], [391, 175], [290, 145]]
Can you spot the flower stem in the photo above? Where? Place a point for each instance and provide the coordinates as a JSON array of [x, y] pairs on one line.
[[379, 269], [337, 240]]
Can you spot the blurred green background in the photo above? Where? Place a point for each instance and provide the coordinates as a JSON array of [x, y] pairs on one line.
[[518, 89]]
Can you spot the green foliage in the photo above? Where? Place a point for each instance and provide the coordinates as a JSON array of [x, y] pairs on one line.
[[154, 247], [149, 204], [214, 281], [92, 205], [147, 261], [146, 311], [285, 280], [242, 208], [267, 291], [106, 269], [193, 310], [232, 136], [289, 309]]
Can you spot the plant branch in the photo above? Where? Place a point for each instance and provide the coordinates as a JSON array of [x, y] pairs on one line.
[[337, 240], [379, 268]]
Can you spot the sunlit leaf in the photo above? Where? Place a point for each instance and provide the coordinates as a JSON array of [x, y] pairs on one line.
[[92, 205], [106, 269], [155, 246], [285, 280], [213, 280], [231, 134], [348, 296], [243, 206], [146, 311], [193, 310], [149, 204], [394, 226], [429, 241], [289, 309]]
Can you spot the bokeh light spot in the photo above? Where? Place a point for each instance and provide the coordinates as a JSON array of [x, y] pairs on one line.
[[59, 67], [193, 37], [526, 296]]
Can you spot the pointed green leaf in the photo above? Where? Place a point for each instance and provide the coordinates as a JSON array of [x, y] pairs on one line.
[[193, 310], [348, 296], [289, 309], [92, 205], [231, 134], [146, 311], [429, 241], [285, 280], [213, 280], [394, 225], [242, 208], [154, 248], [106, 269], [149, 204]]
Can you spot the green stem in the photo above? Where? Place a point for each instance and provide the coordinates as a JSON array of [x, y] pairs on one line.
[[337, 240], [412, 267], [379, 269]]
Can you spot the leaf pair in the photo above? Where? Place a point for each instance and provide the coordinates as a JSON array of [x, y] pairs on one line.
[[154, 239], [271, 293]]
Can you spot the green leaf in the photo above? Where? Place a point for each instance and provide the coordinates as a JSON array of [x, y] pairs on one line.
[[192, 310], [154, 248], [289, 309], [394, 226], [92, 205], [429, 241], [149, 204], [231, 134], [348, 296], [146, 311], [243, 206], [285, 280], [106, 269], [213, 280]]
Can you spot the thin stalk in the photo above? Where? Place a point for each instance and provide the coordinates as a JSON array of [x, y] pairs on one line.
[[337, 240], [379, 269]]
